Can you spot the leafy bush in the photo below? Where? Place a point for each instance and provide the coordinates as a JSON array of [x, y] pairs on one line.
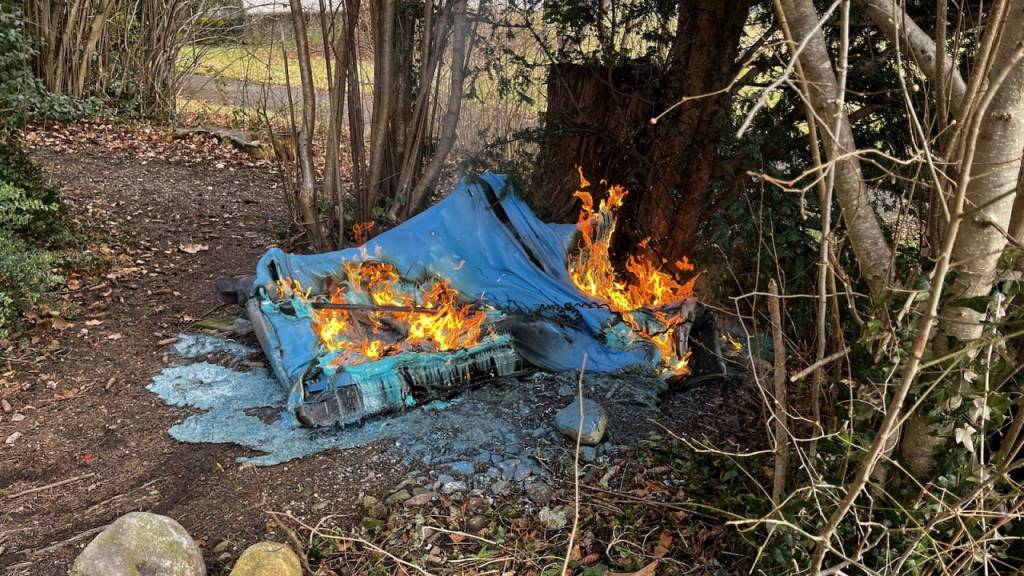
[[32, 222]]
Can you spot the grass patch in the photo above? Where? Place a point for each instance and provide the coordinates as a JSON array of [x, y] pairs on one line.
[[254, 63]]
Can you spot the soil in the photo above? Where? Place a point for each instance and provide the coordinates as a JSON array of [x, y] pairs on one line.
[[168, 223]]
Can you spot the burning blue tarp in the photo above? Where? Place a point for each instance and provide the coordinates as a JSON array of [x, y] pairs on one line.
[[486, 244]]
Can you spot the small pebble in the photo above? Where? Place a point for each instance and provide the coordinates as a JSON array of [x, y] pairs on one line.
[[477, 523], [464, 468]]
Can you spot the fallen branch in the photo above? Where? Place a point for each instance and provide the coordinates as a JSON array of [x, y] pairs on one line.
[[48, 486], [237, 139], [71, 540], [826, 360]]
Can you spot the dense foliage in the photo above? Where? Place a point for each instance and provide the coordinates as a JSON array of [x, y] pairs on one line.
[[31, 216]]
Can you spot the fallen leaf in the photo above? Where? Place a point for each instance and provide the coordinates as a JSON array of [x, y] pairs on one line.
[[116, 336], [93, 322], [193, 248], [664, 544], [649, 570], [61, 324]]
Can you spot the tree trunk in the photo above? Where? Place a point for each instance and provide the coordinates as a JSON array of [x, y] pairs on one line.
[[992, 187], [990, 195], [307, 185], [866, 237], [598, 118], [669, 206], [383, 50], [897, 26], [450, 120]]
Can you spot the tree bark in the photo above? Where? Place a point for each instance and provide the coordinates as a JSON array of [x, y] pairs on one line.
[[669, 206], [990, 197], [867, 239], [307, 185], [383, 50], [780, 395], [992, 187], [598, 117], [450, 120], [898, 27]]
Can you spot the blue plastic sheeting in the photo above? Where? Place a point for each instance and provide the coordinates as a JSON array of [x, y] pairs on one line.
[[246, 407], [196, 345], [493, 250]]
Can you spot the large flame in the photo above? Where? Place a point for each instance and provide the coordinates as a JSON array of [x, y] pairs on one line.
[[435, 320], [645, 287]]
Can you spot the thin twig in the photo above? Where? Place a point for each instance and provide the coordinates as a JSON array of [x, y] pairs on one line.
[[53, 485], [576, 472], [785, 73], [818, 364]]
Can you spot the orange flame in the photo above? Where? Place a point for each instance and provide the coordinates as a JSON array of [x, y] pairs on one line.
[[644, 287], [359, 336]]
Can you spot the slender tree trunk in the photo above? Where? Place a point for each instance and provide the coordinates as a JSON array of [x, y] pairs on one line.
[[780, 395], [990, 197], [865, 233], [95, 32], [307, 184], [332, 162], [450, 120], [383, 47]]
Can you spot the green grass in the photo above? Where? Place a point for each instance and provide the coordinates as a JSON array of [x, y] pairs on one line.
[[254, 63]]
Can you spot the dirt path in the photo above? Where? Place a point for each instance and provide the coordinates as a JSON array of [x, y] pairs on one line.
[[90, 443], [87, 414]]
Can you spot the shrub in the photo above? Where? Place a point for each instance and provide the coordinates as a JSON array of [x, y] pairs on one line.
[[32, 222]]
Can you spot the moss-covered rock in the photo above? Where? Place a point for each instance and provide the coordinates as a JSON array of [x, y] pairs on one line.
[[268, 559], [141, 544]]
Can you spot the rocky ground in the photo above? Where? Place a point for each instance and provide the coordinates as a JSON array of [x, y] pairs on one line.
[[85, 442]]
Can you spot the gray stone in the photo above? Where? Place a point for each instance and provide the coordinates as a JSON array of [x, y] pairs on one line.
[[493, 472], [524, 469], [595, 420], [539, 431], [140, 543], [268, 559], [484, 457], [539, 492], [398, 497], [453, 487], [420, 499], [462, 467], [565, 390], [553, 519], [500, 487], [588, 453], [477, 523], [508, 468]]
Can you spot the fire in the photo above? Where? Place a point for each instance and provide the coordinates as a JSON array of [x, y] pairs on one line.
[[420, 318], [645, 289]]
